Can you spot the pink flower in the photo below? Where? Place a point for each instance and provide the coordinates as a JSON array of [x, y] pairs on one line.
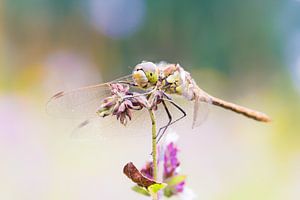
[[148, 170], [171, 163], [167, 155]]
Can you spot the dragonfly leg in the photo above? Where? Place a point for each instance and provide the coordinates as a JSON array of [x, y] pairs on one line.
[[164, 128], [128, 83], [170, 123], [179, 108], [141, 94]]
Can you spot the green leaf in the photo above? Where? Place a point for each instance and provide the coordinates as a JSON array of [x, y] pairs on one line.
[[154, 188], [140, 190], [175, 180], [168, 192]]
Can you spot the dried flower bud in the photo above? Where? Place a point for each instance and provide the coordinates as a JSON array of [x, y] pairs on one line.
[[155, 99], [107, 106]]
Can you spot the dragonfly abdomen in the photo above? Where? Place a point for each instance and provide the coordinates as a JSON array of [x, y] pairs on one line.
[[258, 116]]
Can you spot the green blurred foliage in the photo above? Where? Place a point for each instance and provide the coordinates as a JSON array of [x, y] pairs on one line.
[[230, 36]]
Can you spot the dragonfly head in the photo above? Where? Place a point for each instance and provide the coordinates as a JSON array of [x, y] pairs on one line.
[[145, 74]]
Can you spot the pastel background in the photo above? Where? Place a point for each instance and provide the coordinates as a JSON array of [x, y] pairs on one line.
[[247, 52]]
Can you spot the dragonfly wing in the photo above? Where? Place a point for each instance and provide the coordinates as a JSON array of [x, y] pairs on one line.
[[79, 103], [83, 102], [200, 112], [109, 127]]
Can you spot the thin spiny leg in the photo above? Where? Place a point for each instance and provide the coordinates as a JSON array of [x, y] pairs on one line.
[[180, 109], [166, 126]]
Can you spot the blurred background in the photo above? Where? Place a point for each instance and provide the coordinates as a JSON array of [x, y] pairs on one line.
[[247, 52]]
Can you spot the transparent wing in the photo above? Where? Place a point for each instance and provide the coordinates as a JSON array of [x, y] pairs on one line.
[[140, 125], [200, 111], [109, 127], [80, 103]]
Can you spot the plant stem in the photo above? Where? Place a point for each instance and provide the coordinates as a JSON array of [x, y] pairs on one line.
[[154, 148]]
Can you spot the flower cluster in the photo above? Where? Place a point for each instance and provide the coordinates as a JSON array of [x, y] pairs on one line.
[[171, 176], [171, 162], [121, 102], [171, 168]]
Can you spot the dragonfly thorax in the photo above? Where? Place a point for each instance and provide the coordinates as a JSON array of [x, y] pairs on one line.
[[175, 80], [170, 78]]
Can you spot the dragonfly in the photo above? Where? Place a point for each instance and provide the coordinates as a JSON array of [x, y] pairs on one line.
[[149, 86]]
